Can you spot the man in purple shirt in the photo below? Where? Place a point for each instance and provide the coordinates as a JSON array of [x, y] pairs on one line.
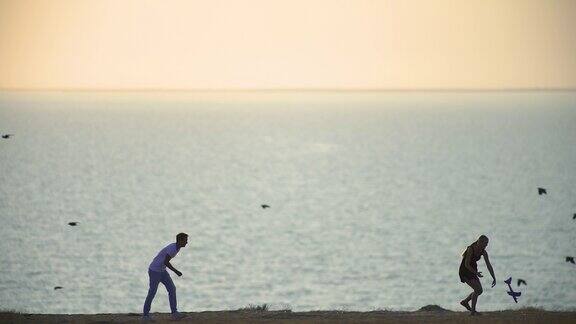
[[158, 274]]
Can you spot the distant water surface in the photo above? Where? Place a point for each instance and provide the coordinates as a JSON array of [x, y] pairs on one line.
[[373, 197]]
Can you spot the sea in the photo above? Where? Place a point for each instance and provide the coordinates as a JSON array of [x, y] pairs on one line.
[[372, 197]]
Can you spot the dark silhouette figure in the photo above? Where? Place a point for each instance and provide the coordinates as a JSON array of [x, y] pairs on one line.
[[541, 191], [73, 223], [57, 287], [570, 259], [469, 271], [521, 281], [6, 136], [265, 206], [574, 216], [511, 292]]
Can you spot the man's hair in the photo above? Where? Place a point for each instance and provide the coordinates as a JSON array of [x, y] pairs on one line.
[[483, 238], [181, 236]]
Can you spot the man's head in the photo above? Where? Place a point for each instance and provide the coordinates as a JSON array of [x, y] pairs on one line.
[[483, 241], [181, 239]]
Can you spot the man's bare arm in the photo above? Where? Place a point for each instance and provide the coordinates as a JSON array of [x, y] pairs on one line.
[[489, 266], [169, 266]]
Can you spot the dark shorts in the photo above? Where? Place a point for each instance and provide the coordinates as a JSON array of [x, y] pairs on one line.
[[466, 275]]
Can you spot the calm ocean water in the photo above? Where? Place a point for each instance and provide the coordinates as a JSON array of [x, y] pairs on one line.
[[373, 197]]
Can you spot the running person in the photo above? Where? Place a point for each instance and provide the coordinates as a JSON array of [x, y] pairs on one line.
[[158, 274], [469, 271]]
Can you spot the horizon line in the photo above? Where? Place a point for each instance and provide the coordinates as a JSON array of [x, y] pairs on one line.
[[80, 89]]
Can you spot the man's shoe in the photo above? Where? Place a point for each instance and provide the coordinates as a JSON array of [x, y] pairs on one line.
[[147, 318], [177, 316]]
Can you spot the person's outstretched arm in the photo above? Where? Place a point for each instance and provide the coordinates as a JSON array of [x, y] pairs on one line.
[[169, 266], [489, 266]]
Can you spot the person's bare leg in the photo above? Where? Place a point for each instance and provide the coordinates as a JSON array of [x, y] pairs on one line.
[[474, 300], [465, 301], [475, 284]]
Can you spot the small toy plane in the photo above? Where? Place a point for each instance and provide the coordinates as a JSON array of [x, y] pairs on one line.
[[514, 294]]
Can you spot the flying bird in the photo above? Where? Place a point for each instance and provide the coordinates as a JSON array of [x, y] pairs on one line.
[[521, 281], [57, 287], [73, 223], [541, 191], [7, 136], [570, 259], [265, 206]]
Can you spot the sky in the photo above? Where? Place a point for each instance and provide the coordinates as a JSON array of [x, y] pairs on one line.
[[287, 44]]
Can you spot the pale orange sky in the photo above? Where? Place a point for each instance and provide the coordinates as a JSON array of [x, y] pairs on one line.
[[239, 44]]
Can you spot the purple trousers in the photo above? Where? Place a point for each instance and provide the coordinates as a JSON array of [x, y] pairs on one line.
[[164, 278]]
